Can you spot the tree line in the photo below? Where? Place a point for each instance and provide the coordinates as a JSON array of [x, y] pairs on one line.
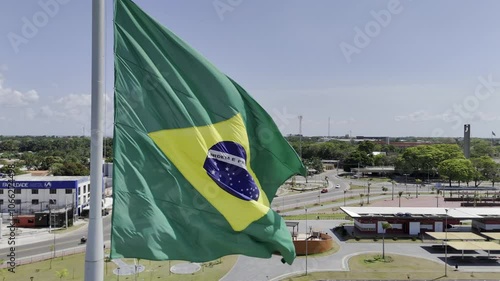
[[70, 156], [62, 156], [424, 162]]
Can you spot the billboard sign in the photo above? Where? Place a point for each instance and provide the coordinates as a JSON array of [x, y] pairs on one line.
[[39, 184]]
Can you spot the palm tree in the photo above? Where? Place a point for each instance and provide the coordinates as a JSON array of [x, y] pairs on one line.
[[385, 226], [399, 195], [62, 273]]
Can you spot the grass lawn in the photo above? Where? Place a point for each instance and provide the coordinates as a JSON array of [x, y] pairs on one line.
[[154, 270], [387, 180], [395, 267]]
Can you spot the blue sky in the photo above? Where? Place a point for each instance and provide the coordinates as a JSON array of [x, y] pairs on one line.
[[376, 68]]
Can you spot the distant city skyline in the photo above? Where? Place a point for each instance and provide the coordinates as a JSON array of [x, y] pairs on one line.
[[371, 68]]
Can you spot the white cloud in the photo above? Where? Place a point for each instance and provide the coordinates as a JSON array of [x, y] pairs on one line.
[[423, 115], [488, 116], [14, 98], [75, 110], [25, 113], [73, 101]]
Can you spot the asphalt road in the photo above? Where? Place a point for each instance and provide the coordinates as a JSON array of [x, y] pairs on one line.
[[292, 201], [64, 241]]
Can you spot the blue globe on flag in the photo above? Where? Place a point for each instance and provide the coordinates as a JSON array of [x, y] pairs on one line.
[[226, 165]]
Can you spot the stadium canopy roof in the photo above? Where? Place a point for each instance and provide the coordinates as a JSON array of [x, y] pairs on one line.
[[455, 236], [492, 235], [421, 212], [474, 245]]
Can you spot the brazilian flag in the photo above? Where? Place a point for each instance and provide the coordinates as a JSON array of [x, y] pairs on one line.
[[197, 161]]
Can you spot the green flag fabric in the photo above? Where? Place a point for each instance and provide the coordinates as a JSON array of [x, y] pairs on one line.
[[197, 161]]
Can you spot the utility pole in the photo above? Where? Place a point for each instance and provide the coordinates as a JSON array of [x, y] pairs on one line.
[[328, 127], [307, 238], [368, 197], [300, 136], [392, 190], [446, 245], [66, 210], [50, 219]]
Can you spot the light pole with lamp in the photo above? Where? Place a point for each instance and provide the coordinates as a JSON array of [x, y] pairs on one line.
[[446, 244], [406, 181], [437, 198], [306, 241], [368, 195], [50, 218], [393, 183], [344, 196]]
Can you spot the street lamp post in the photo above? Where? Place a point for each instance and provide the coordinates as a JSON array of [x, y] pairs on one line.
[[368, 195], [406, 181], [306, 241], [446, 245], [344, 196], [437, 198], [50, 218], [392, 190]]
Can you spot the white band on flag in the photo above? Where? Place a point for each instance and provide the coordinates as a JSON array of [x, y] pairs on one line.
[[227, 158]]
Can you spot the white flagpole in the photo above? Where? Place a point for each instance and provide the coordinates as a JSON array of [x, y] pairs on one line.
[[94, 255]]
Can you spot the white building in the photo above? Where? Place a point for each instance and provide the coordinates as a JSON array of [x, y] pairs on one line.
[[39, 193]]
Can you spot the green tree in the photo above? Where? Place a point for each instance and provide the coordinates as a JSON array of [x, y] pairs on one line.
[[457, 169], [314, 163], [486, 169], [69, 169], [367, 147], [9, 145], [423, 160], [48, 161], [480, 147], [450, 151], [30, 160], [379, 160], [355, 159]]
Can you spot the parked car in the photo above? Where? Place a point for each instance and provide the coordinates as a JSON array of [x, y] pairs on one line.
[[324, 190]]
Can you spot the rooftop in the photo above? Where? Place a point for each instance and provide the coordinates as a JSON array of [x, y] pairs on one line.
[[420, 212], [29, 177]]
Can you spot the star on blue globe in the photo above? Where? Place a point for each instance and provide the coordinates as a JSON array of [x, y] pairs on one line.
[[226, 165]]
